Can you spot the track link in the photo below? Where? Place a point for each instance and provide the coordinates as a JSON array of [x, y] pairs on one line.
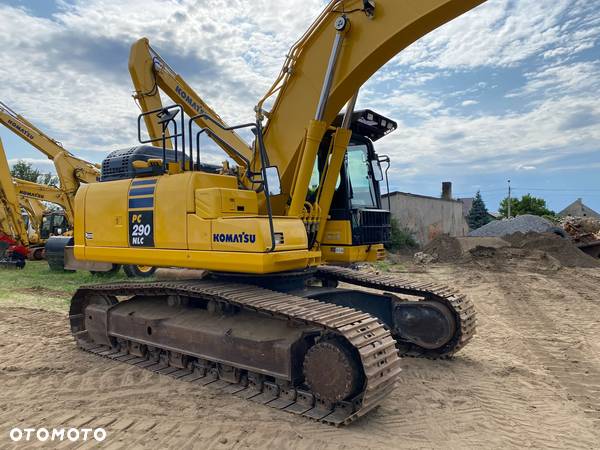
[[462, 307], [370, 339]]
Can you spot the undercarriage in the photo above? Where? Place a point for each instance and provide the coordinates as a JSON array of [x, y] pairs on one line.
[[329, 353]]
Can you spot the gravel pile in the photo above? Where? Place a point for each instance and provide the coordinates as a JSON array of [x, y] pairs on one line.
[[520, 224]]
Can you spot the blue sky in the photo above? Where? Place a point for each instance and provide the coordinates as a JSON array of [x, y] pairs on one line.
[[510, 90]]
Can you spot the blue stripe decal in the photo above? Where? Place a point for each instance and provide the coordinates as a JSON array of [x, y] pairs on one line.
[[141, 202], [141, 191], [143, 182]]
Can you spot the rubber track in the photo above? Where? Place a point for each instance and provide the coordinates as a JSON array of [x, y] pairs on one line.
[[461, 305], [373, 342]]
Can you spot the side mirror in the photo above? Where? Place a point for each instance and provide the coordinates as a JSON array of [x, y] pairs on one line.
[[273, 180], [377, 172]]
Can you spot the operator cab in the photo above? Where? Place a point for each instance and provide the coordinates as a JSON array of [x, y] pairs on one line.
[[54, 224], [357, 198]]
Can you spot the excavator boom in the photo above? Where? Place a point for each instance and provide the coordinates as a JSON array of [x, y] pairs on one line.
[[375, 36], [71, 171], [44, 193]]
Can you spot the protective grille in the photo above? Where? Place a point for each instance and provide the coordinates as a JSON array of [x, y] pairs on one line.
[[374, 226]]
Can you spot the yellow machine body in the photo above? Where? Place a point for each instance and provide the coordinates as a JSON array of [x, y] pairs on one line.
[[148, 68], [337, 245], [323, 71], [191, 219]]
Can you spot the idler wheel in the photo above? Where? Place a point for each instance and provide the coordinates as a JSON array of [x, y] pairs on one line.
[[331, 372]]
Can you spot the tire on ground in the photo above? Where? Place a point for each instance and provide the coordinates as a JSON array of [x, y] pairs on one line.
[[134, 271]]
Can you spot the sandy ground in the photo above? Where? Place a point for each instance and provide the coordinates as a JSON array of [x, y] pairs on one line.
[[530, 378]]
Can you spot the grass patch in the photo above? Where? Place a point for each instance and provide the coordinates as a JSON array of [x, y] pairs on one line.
[[382, 266], [37, 286]]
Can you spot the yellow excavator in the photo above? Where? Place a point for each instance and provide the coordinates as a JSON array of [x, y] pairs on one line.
[[16, 195], [13, 231], [72, 172], [267, 321], [357, 228], [42, 222], [39, 223]]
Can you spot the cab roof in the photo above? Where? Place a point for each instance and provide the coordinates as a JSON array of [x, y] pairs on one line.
[[367, 122]]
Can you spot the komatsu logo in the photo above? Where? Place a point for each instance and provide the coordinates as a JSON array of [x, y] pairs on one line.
[[241, 238], [31, 194], [188, 99], [20, 129]]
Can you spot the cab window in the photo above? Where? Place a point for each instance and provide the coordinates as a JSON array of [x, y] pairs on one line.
[[362, 191]]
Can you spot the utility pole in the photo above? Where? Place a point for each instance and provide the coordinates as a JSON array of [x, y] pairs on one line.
[[508, 200]]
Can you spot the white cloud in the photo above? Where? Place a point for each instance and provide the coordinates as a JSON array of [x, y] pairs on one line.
[[65, 87], [503, 33], [557, 79], [525, 168], [65, 75]]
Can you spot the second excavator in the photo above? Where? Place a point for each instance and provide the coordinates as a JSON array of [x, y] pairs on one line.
[[72, 172], [16, 195], [267, 321]]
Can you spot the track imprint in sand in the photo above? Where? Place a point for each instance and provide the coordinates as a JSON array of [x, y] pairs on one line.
[[530, 377]]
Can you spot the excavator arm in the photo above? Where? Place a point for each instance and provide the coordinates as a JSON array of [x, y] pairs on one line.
[[45, 193], [12, 221], [4, 220], [71, 171], [36, 211], [342, 49], [149, 73]]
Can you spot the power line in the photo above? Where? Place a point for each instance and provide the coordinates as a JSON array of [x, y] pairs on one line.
[[521, 189], [558, 190]]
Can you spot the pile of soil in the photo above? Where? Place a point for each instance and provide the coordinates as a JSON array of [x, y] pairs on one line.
[[444, 248], [561, 249]]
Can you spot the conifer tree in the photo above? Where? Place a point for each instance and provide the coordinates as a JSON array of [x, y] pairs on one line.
[[478, 215]]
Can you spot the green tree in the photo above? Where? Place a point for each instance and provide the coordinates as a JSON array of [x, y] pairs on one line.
[[527, 204], [25, 171], [478, 215]]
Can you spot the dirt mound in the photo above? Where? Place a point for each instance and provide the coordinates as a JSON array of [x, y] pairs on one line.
[[558, 251], [444, 248], [562, 249]]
